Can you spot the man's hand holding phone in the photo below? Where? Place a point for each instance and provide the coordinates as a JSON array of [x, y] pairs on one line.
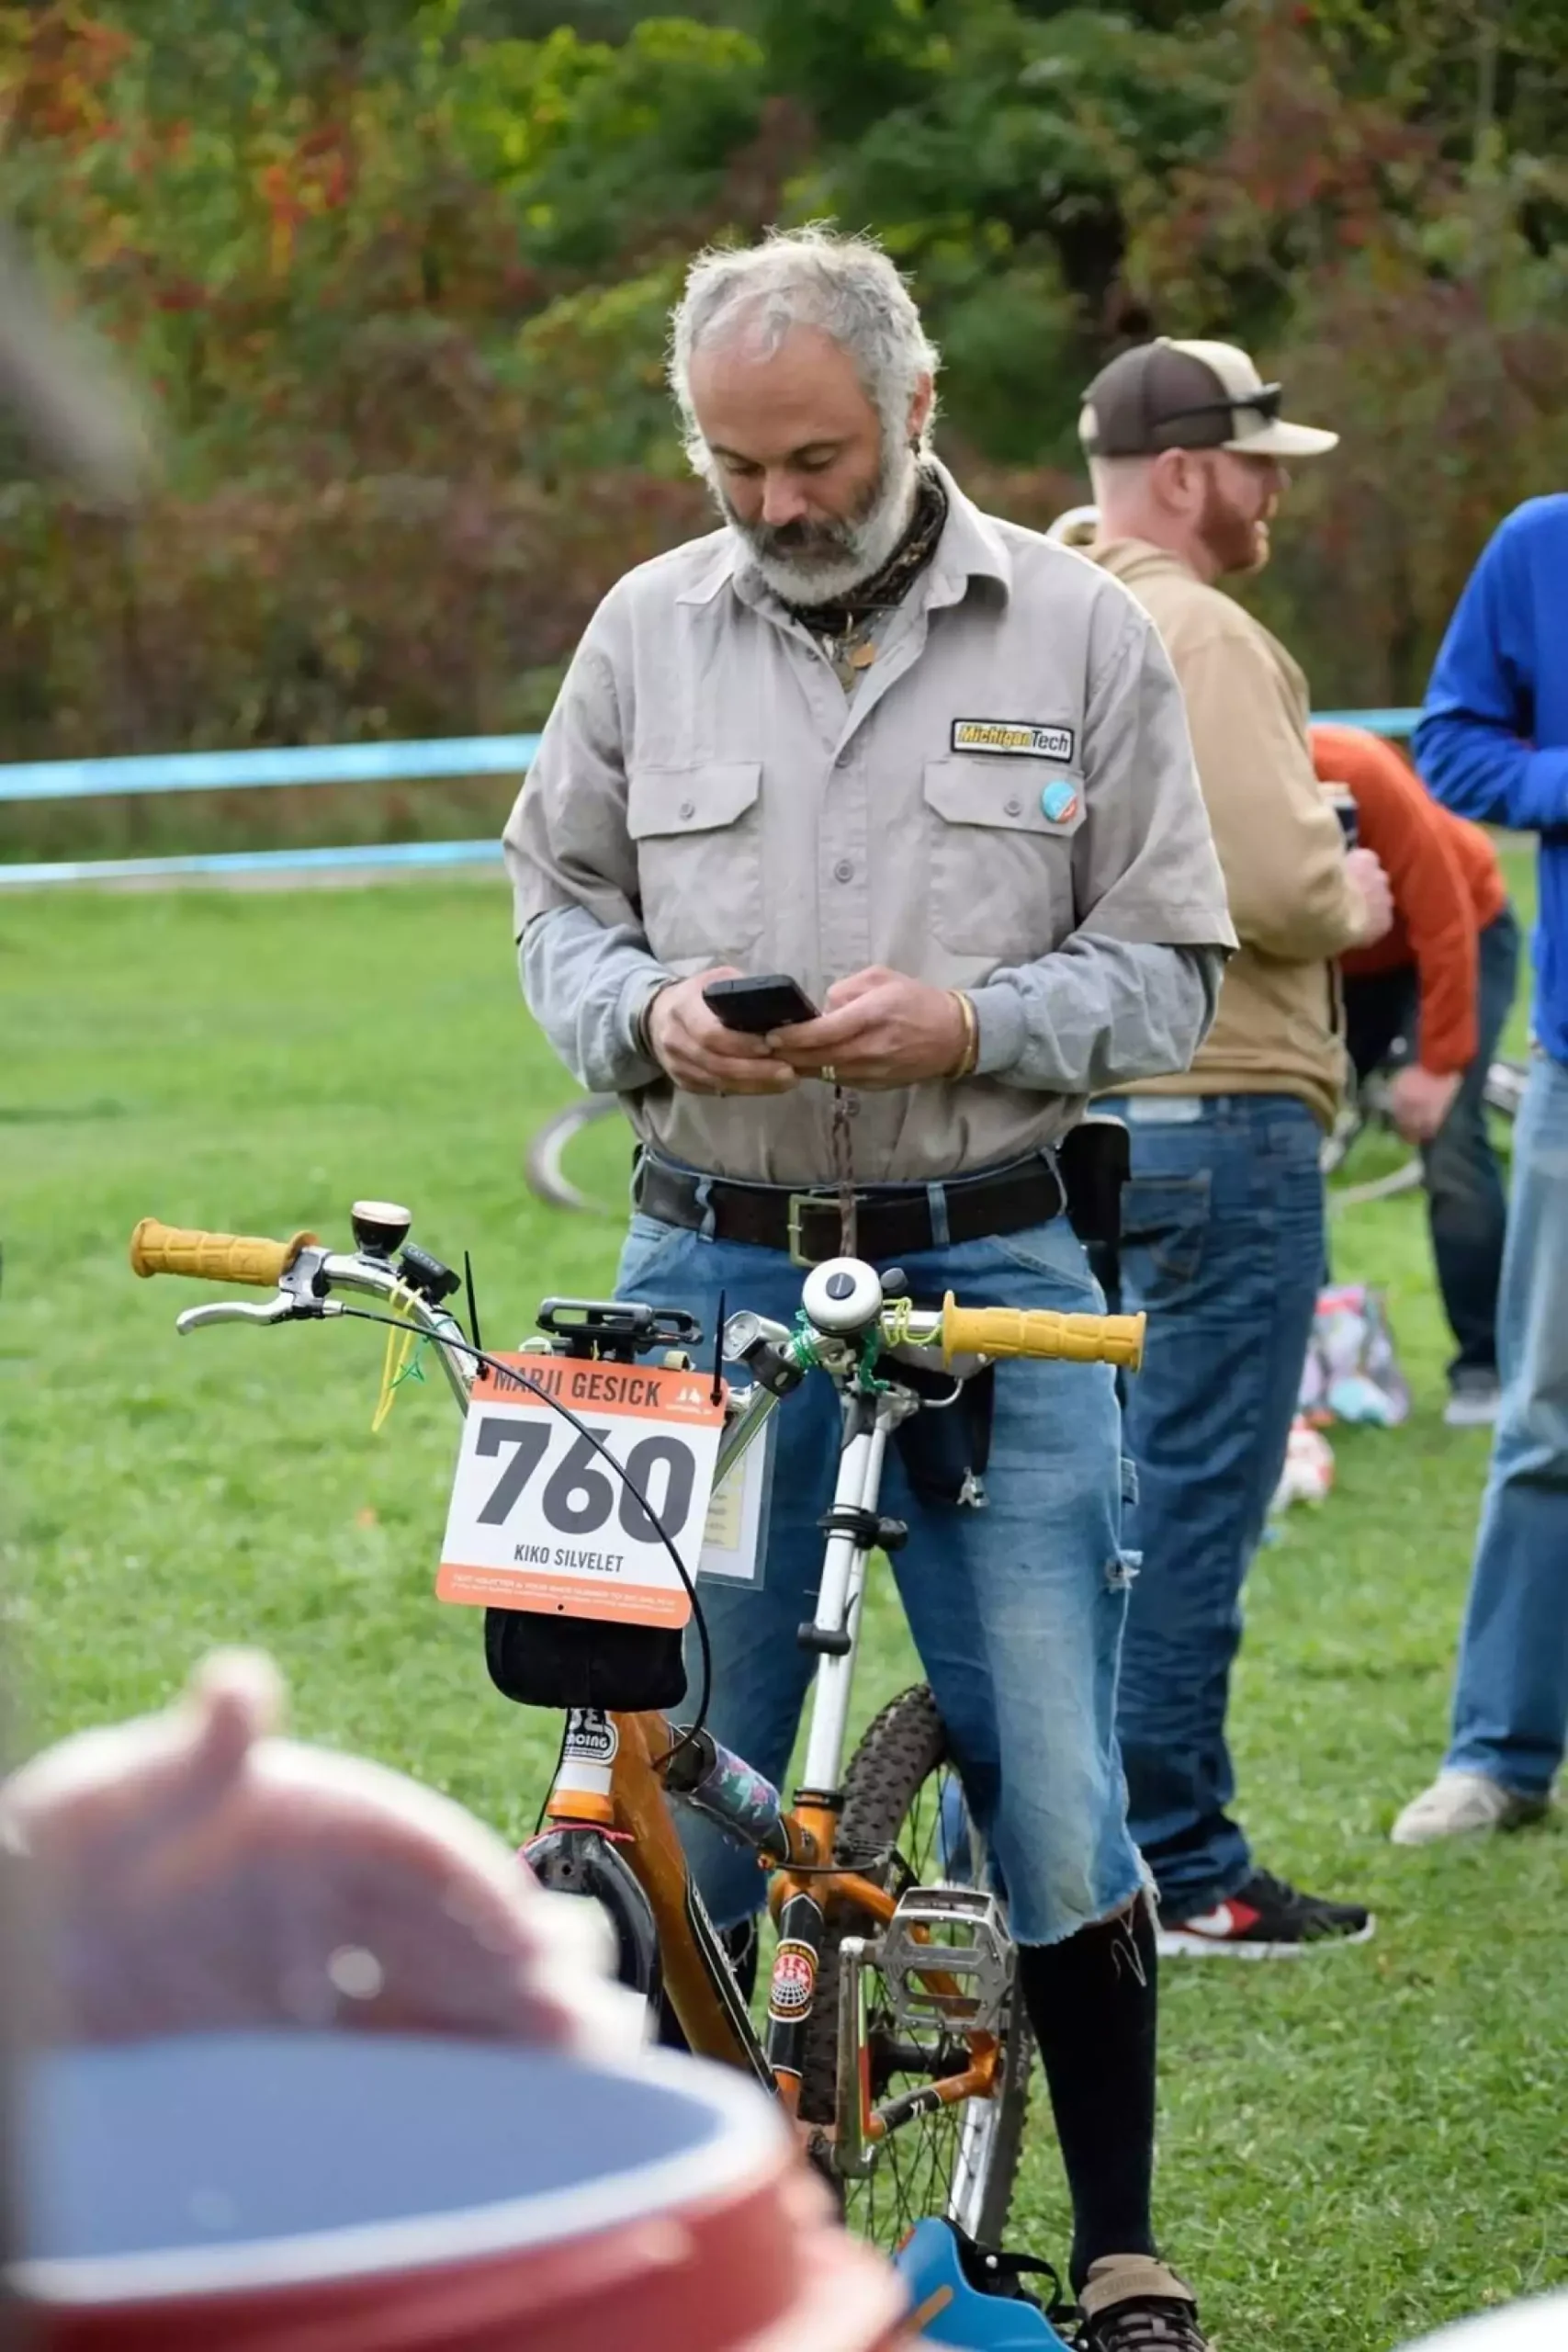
[[702, 1053], [720, 1033], [879, 1028]]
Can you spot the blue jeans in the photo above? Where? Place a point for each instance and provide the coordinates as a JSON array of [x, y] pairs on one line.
[[1221, 1243], [1467, 1204], [1017, 1610], [1510, 1712]]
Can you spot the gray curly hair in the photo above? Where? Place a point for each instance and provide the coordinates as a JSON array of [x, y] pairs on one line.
[[845, 286]]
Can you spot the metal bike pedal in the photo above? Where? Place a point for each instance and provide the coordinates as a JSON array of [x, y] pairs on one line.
[[946, 1958]]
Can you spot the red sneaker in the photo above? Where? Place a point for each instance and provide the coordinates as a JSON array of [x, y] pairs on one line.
[[1266, 1919]]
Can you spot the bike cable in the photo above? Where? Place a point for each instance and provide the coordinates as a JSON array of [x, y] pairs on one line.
[[555, 1774]]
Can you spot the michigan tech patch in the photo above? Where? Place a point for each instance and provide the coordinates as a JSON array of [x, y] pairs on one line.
[[1015, 738]]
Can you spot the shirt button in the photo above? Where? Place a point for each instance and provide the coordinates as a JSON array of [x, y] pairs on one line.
[[842, 758], [844, 871], [688, 810], [1015, 806]]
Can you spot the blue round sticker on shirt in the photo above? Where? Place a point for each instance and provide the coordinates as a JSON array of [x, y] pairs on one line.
[[1058, 800]]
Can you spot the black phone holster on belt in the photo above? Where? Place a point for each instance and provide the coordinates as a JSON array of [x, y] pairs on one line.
[[1094, 1161]]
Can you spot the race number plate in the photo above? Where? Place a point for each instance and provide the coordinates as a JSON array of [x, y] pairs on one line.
[[538, 1520]]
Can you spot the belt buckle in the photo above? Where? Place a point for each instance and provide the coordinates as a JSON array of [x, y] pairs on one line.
[[799, 1203]]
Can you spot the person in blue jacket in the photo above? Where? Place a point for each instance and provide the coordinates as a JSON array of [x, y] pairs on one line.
[[1493, 745]]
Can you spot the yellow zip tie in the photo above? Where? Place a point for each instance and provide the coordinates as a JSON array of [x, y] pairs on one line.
[[898, 1311], [394, 1363]]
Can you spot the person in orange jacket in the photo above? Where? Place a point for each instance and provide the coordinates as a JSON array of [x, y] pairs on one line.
[[1433, 996]]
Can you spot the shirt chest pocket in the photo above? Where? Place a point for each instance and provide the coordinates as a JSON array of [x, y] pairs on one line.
[[698, 836], [1000, 842]]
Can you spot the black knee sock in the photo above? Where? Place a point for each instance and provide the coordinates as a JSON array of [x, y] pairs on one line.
[[1091, 2001]]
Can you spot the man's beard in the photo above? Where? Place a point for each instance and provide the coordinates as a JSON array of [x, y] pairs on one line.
[[1238, 543], [811, 563]]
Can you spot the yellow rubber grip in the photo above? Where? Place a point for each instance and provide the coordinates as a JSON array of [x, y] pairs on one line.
[[213, 1257], [1074, 1338]]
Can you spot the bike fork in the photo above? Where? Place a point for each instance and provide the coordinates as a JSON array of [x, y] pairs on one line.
[[834, 1635]]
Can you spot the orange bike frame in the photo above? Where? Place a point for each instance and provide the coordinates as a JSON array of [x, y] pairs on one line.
[[698, 1975]]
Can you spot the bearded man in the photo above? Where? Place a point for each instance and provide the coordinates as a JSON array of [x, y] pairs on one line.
[[1222, 1222], [936, 771]]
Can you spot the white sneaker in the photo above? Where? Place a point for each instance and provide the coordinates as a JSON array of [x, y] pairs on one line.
[[1473, 1400], [1458, 1803]]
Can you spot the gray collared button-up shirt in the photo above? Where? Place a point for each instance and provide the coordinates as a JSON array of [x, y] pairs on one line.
[[1006, 803]]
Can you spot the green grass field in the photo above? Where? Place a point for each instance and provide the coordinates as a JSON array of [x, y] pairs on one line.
[[1354, 2147]]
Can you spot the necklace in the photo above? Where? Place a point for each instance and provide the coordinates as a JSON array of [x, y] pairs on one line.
[[844, 624]]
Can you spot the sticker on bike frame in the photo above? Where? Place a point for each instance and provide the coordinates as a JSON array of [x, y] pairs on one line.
[[793, 1987], [735, 1540], [538, 1520], [589, 1739]]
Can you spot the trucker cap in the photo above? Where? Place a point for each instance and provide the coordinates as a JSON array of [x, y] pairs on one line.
[[1169, 395]]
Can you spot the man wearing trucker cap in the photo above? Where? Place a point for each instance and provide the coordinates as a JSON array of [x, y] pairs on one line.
[[1222, 1221]]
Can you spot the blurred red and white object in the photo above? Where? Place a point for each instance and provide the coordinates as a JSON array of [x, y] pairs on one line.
[[297, 2193], [1308, 1474], [324, 2070], [191, 1871]]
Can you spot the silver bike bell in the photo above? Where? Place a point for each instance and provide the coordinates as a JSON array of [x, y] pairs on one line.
[[841, 1296]]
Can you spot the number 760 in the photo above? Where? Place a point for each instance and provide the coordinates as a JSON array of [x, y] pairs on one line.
[[581, 1495]]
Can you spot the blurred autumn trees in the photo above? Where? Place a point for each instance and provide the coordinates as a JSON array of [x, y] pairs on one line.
[[396, 275]]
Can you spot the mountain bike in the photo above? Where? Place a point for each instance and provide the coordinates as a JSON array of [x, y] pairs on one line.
[[893, 2033]]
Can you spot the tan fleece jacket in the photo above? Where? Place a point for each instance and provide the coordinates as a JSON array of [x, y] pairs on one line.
[[1279, 1027]]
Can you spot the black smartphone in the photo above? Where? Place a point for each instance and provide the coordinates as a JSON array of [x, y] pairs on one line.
[[773, 1001], [1349, 816]]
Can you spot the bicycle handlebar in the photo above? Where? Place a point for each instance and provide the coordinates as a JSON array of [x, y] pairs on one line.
[[1002, 1331], [996, 1332], [213, 1257]]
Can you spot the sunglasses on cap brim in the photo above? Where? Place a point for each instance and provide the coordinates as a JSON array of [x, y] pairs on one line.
[[1266, 400]]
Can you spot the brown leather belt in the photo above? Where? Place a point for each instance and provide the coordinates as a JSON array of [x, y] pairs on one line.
[[892, 1221]]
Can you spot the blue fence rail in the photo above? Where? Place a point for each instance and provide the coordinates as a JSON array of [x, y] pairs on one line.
[[453, 758]]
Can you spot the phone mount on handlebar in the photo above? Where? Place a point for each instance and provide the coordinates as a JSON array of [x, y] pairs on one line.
[[618, 1330]]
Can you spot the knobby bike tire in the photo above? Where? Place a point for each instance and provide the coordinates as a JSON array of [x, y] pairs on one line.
[[904, 1750]]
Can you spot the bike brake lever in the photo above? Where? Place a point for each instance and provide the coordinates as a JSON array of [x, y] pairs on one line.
[[743, 1330], [234, 1310]]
